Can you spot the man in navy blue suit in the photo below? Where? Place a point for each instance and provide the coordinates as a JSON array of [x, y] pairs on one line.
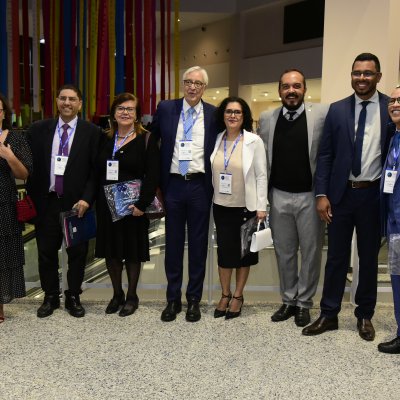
[[188, 133], [352, 150]]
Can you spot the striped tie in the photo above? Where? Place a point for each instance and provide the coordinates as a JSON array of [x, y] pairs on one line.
[[187, 131]]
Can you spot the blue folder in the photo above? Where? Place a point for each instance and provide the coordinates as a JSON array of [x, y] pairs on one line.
[[78, 230]]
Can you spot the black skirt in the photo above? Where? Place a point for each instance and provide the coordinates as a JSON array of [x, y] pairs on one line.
[[228, 221]]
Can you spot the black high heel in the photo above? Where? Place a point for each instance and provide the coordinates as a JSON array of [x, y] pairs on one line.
[[235, 314], [222, 313]]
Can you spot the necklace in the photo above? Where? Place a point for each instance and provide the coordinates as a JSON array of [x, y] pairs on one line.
[[126, 136]]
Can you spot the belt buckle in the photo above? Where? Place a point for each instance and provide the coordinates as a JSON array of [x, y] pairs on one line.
[[187, 177], [354, 184]]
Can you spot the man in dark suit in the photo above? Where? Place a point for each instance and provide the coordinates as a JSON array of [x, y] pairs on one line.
[[188, 133], [64, 152], [351, 154]]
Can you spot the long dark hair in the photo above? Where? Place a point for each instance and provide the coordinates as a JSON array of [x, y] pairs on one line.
[[6, 112], [247, 117]]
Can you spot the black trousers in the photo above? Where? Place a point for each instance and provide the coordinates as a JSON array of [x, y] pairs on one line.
[[49, 239]]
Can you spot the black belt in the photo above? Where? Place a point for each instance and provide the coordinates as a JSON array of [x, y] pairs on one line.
[[362, 184], [189, 177]]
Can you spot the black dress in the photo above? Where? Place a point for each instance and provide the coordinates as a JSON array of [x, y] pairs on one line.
[[128, 238], [12, 259]]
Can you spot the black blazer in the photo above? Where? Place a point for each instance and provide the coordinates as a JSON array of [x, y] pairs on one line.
[[79, 176]]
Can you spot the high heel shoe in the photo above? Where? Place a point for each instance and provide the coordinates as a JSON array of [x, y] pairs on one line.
[[235, 314], [221, 313], [115, 303]]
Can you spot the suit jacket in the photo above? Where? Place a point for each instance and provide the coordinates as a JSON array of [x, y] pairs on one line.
[[315, 116], [335, 154], [79, 176], [254, 166], [164, 126]]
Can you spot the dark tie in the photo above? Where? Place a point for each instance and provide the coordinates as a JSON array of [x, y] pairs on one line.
[[291, 115], [358, 144], [187, 130], [62, 150]]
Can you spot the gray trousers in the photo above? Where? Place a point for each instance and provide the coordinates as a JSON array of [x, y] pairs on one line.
[[295, 223]]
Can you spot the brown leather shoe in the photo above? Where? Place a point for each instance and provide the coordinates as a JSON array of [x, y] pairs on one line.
[[321, 325], [366, 329]]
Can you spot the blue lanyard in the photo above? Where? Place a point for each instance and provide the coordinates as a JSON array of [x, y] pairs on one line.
[[194, 120], [396, 152], [68, 137], [226, 161], [116, 147]]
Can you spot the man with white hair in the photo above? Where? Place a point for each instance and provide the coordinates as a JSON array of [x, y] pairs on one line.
[[187, 130]]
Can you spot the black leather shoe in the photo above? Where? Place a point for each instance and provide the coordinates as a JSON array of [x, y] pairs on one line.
[[50, 303], [302, 316], [285, 312], [392, 347], [366, 329], [115, 303], [193, 313], [321, 325], [74, 307], [173, 308], [130, 306]]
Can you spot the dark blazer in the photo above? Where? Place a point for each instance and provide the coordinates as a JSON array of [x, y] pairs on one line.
[[335, 155], [164, 126], [79, 176]]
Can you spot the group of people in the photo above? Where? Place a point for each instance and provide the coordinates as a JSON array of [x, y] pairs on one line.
[[314, 164]]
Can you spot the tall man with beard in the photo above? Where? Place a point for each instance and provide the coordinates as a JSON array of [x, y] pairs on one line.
[[291, 134], [353, 148]]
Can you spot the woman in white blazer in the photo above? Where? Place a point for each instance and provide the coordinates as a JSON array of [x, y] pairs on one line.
[[239, 171]]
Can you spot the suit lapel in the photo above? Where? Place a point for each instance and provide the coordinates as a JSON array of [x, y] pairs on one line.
[[272, 122], [384, 121], [310, 125], [76, 143], [351, 119], [48, 143], [247, 152]]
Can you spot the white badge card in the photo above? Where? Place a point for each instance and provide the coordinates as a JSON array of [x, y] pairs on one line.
[[185, 150], [59, 165], [225, 183], [112, 170], [390, 180]]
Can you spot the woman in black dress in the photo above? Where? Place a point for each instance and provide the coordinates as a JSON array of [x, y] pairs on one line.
[[128, 154], [15, 162]]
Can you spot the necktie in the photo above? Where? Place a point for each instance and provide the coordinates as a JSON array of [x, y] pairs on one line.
[[62, 150], [291, 115], [187, 130], [356, 169]]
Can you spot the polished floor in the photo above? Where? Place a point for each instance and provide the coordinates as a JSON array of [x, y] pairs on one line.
[[140, 357]]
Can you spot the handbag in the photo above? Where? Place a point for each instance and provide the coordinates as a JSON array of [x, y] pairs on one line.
[[25, 209], [156, 209], [261, 239]]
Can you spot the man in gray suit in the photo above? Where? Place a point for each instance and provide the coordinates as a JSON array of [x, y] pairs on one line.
[[291, 135]]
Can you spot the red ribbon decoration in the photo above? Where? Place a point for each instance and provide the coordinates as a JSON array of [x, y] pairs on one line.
[[129, 46], [147, 57], [139, 50], [25, 30]]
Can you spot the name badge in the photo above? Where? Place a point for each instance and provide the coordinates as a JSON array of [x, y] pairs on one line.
[[112, 170], [390, 180], [225, 183], [185, 150], [60, 164]]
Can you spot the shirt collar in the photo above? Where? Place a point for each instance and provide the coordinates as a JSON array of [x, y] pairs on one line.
[[186, 106], [373, 99], [298, 111], [71, 123]]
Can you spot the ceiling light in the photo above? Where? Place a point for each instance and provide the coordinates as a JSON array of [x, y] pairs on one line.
[[217, 92], [254, 99]]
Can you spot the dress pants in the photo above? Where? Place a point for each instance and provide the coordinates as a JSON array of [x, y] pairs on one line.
[[49, 239], [358, 208], [186, 202], [294, 222]]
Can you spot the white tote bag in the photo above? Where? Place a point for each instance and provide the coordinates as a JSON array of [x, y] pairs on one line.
[[261, 239]]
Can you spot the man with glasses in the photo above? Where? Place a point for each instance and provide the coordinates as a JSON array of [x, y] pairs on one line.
[[291, 135], [350, 158], [64, 152], [390, 197], [188, 132]]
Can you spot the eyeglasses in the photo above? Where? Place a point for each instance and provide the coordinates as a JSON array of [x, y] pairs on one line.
[[63, 99], [236, 113], [366, 74], [129, 110], [189, 82], [393, 100]]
